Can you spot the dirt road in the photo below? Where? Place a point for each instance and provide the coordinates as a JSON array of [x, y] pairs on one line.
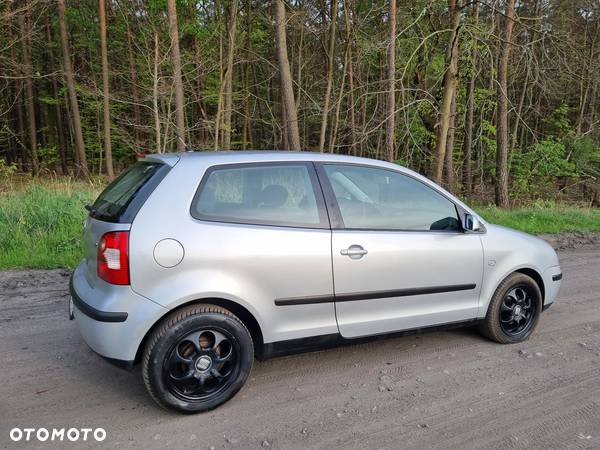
[[450, 389]]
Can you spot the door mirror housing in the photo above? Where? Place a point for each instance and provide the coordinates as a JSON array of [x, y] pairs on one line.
[[473, 224]]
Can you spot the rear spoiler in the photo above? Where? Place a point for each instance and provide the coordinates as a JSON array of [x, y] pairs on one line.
[[167, 158]]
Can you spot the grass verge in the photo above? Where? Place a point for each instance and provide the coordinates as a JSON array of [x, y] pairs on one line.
[[544, 219], [41, 226], [41, 222]]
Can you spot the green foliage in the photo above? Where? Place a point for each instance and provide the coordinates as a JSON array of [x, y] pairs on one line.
[[534, 167], [437, 66], [559, 123], [485, 100], [48, 157], [585, 154], [6, 170], [557, 140], [421, 135], [41, 227]]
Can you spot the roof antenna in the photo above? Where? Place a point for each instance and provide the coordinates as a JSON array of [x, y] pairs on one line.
[[187, 148]]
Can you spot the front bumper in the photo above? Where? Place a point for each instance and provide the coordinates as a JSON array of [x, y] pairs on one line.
[[552, 278], [112, 320]]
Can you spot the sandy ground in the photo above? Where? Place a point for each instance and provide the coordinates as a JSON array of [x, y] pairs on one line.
[[450, 389]]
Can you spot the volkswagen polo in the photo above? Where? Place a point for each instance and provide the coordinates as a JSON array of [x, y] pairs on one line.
[[198, 263]]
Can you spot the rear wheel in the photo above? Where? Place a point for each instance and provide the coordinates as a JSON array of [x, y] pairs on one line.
[[197, 358], [514, 310]]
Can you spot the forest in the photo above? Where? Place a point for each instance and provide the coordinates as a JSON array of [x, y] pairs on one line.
[[497, 100]]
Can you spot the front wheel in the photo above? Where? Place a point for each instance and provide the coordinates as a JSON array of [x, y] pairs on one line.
[[197, 358], [514, 310]]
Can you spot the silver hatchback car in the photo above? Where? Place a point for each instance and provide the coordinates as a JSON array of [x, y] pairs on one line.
[[197, 263]]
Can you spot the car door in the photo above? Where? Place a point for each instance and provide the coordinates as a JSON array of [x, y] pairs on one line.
[[400, 257]]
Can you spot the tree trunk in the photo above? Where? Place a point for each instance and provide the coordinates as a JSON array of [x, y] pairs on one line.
[[467, 173], [299, 63], [247, 141], [593, 103], [228, 96], [105, 92], [25, 27], [330, 70], [202, 134], [82, 168], [179, 102], [21, 131], [523, 88], [588, 80], [58, 120], [338, 104], [390, 126], [218, 123], [246, 132], [350, 43], [290, 116], [13, 145], [502, 114], [134, 88], [449, 157], [155, 94], [450, 85], [18, 87]]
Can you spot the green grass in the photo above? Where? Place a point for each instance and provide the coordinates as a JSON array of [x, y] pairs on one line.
[[41, 222], [544, 219], [41, 226]]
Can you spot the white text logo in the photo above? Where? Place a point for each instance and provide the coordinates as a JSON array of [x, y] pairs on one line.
[[58, 434]]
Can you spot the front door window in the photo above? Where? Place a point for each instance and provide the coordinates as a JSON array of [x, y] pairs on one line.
[[380, 199]]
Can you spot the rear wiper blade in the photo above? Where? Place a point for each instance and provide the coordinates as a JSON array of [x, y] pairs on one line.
[[91, 208]]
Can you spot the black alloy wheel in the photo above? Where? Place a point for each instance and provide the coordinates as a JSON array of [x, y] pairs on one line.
[[514, 310], [197, 358], [200, 364], [517, 311]]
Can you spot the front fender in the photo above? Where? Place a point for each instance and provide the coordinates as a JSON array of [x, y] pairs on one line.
[[507, 251]]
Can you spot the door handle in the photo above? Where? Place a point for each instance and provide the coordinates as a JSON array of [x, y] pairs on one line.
[[354, 252]]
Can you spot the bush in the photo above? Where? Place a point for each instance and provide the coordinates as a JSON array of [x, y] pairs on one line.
[[6, 171]]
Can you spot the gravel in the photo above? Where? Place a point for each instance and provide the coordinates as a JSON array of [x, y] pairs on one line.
[[495, 396]]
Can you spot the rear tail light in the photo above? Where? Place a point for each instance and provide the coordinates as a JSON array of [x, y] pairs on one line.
[[113, 257]]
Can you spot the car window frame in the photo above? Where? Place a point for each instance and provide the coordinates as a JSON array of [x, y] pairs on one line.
[[323, 224], [335, 215]]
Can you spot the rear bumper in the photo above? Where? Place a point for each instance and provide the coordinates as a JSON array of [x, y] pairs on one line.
[[93, 313], [112, 320]]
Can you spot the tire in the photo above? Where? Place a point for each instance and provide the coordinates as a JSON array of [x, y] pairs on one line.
[[500, 323], [197, 358]]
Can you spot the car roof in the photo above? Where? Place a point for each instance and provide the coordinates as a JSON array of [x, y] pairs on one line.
[[225, 157], [207, 158]]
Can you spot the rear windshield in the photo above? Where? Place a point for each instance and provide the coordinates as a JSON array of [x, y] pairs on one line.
[[113, 202]]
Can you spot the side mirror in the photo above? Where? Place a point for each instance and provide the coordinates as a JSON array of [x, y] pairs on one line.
[[473, 224]]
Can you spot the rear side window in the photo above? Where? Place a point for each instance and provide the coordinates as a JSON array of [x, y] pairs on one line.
[[262, 194], [122, 198]]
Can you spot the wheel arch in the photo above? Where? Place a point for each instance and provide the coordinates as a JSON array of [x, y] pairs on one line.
[[238, 310], [537, 277], [489, 290]]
